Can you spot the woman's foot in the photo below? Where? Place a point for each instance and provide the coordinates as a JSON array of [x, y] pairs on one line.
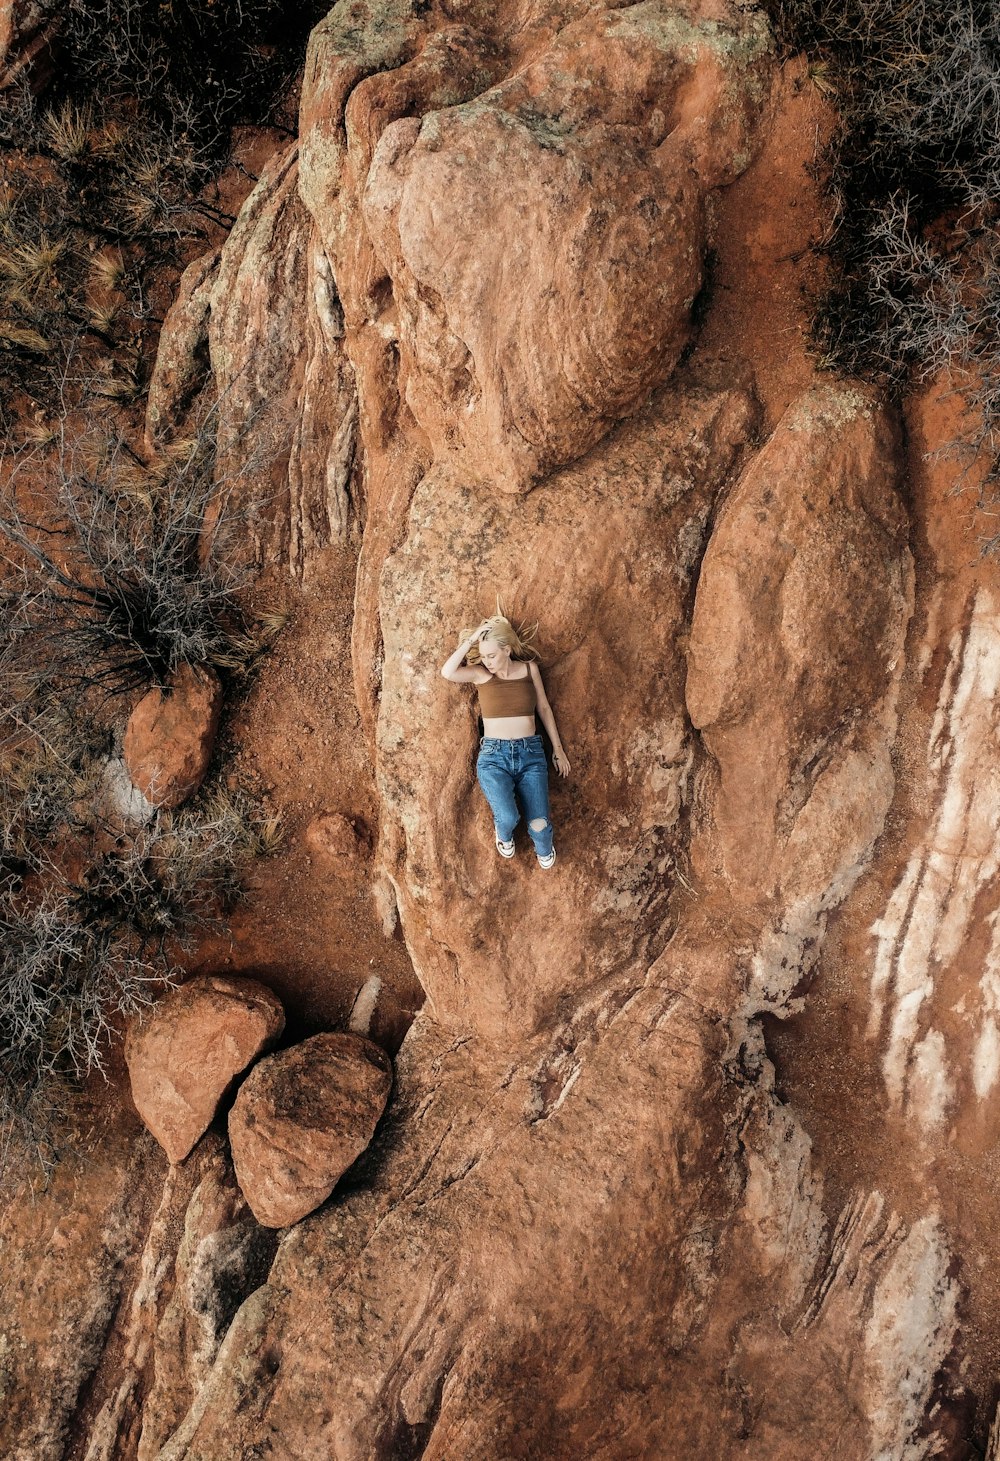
[[548, 859], [505, 849]]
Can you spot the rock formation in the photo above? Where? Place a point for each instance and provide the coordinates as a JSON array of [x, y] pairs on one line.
[[301, 1118], [602, 1218], [335, 838], [26, 33], [185, 1054], [170, 736]]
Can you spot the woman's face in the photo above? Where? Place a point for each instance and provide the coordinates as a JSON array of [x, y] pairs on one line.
[[493, 655]]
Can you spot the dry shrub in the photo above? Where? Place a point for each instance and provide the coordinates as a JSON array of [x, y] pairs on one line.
[[129, 568], [123, 151], [93, 915], [139, 567], [914, 172]]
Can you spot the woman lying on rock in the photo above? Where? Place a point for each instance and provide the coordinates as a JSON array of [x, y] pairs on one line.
[[500, 663]]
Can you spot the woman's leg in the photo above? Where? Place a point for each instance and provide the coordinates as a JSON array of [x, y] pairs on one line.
[[533, 790], [498, 788]]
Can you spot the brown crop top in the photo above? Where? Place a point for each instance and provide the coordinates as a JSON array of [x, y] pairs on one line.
[[499, 699]]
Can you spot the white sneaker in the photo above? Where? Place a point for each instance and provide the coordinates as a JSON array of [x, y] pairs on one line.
[[505, 849], [547, 862]]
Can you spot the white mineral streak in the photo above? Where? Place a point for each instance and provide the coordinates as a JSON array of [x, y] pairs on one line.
[[986, 1055], [993, 1444], [907, 1339], [360, 1020], [154, 1271], [933, 908]]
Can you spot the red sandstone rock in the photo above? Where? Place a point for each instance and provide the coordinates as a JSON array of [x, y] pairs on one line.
[[301, 1118], [25, 41], [489, 295], [334, 836], [285, 388], [581, 570], [665, 1274], [183, 1056], [170, 736], [182, 357]]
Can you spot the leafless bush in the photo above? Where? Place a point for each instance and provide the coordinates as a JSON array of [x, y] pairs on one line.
[[97, 944], [914, 171], [232, 61], [50, 770], [125, 152], [142, 570], [62, 984]]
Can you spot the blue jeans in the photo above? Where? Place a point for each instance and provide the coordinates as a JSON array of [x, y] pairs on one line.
[[506, 767]]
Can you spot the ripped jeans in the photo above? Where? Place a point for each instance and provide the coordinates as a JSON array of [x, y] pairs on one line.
[[517, 765]]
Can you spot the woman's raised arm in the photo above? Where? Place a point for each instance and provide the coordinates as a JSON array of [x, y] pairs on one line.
[[454, 670]]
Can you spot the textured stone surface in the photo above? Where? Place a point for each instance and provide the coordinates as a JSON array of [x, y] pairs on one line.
[[647, 1110], [798, 621], [201, 1256], [302, 1118], [416, 135], [221, 1258], [287, 405], [170, 736], [17, 18], [63, 1277], [26, 33], [336, 838], [582, 571], [531, 315], [182, 366], [184, 1055], [536, 237]]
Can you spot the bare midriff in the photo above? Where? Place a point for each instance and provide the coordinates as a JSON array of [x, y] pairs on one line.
[[508, 727]]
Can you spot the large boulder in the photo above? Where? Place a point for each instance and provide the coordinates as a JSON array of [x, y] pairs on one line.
[[301, 1118], [433, 147], [185, 1054], [603, 554], [797, 640], [171, 734], [533, 205]]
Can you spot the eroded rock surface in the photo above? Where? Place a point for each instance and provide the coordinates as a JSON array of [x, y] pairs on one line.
[[182, 358], [619, 828], [335, 838], [544, 239], [184, 1055], [26, 34], [301, 1118]]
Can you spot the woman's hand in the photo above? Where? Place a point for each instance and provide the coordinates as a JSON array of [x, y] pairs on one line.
[[561, 762]]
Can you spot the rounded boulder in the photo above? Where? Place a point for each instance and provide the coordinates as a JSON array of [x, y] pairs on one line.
[[185, 1054], [170, 736], [301, 1118]]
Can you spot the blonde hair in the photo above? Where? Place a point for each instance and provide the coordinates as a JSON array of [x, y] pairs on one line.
[[520, 639]]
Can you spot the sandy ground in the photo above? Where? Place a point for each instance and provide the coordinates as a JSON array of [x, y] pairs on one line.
[[309, 926]]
